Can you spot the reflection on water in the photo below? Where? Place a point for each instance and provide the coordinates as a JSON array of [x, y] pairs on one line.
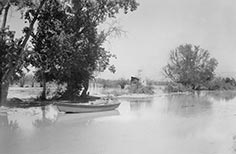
[[179, 104], [140, 104], [86, 118], [222, 95], [3, 119], [187, 105], [204, 122], [198, 103], [28, 119], [48, 117], [39, 117]]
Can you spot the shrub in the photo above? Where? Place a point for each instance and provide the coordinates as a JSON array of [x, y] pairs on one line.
[[122, 83], [222, 84], [215, 84], [140, 89], [177, 87]]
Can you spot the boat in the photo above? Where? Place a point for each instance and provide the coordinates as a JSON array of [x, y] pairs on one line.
[[86, 107], [87, 117]]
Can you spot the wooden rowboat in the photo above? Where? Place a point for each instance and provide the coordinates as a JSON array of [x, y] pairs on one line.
[[84, 108]]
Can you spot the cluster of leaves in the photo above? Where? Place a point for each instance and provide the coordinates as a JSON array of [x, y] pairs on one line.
[[14, 51], [9, 52], [190, 66], [47, 42]]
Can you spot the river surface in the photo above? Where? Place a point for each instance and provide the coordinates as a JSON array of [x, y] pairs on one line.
[[203, 123]]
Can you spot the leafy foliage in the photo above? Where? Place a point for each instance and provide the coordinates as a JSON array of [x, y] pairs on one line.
[[190, 66], [222, 84], [67, 44], [138, 88], [107, 83], [12, 50], [123, 82], [9, 52]]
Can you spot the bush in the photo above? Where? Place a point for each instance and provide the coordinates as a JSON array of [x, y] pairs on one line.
[[222, 84], [140, 89], [177, 87], [106, 83], [122, 83], [215, 84], [114, 92]]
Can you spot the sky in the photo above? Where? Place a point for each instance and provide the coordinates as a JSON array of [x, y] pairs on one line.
[[158, 26]]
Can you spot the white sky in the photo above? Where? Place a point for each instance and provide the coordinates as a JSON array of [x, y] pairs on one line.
[[158, 26]]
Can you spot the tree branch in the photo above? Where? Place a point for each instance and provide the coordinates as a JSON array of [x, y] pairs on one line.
[[6, 8], [9, 72]]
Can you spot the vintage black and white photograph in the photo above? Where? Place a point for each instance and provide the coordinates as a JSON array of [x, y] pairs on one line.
[[118, 77]]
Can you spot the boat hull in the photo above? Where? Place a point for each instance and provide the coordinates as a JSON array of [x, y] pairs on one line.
[[84, 108]]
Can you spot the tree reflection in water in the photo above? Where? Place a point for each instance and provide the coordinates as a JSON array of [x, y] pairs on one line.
[[46, 120], [222, 95], [3, 119], [138, 104], [28, 119], [7, 130], [197, 103], [187, 105], [5, 123], [17, 123]]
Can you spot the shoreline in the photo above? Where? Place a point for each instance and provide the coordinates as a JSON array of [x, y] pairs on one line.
[[27, 97]]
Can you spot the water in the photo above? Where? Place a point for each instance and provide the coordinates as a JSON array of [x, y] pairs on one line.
[[203, 123]]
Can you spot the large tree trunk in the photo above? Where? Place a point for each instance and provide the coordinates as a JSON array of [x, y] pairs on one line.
[[4, 85], [85, 90], [43, 95], [22, 82], [72, 90], [3, 93], [4, 21], [32, 83]]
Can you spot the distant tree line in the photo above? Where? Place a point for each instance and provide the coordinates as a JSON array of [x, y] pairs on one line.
[[126, 84], [108, 83]]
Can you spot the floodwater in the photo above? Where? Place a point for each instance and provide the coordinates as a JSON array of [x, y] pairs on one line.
[[203, 123]]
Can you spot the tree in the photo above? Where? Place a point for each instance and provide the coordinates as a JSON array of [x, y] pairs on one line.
[[190, 66], [97, 11], [122, 83], [13, 51], [47, 51], [68, 46]]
